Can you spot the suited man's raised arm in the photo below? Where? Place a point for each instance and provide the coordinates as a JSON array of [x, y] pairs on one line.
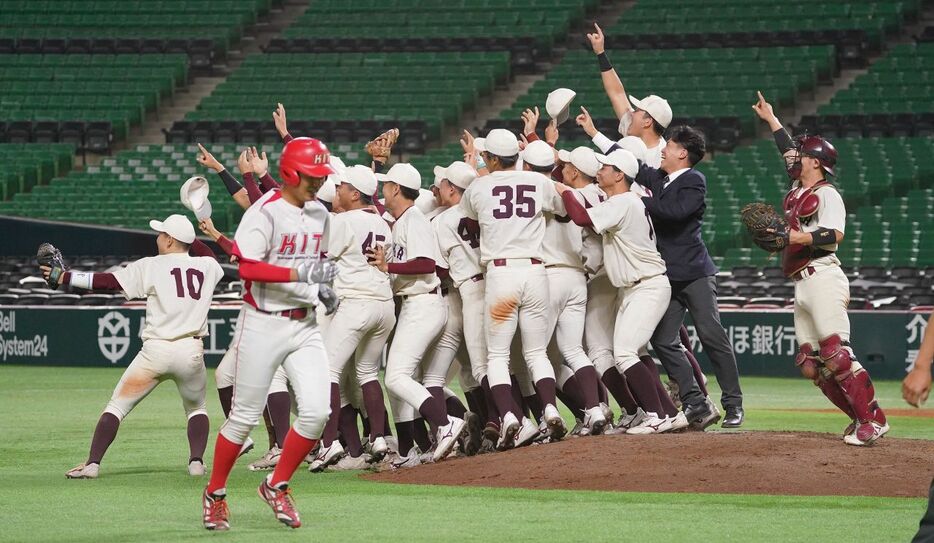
[[689, 200]]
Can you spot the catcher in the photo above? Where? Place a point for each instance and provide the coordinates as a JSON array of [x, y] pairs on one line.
[[808, 238]]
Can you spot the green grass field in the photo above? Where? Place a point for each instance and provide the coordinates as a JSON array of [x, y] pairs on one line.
[[145, 494]]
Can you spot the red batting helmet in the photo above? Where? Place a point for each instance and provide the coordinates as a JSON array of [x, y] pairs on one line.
[[820, 149], [304, 155]]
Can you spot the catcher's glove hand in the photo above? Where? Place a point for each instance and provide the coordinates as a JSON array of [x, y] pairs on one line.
[[768, 228], [49, 256], [381, 147]]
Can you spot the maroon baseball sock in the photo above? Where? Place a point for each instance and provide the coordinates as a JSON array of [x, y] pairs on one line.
[[387, 431], [643, 388], [198, 428], [348, 430], [571, 402], [454, 407], [587, 378], [421, 434], [279, 405], [270, 430], [505, 403], [437, 394], [668, 406], [375, 409], [434, 412], [475, 402], [535, 406], [546, 391], [365, 422], [294, 451], [617, 386], [406, 433], [492, 413], [225, 456], [104, 435], [331, 427], [602, 392], [226, 397], [522, 409]]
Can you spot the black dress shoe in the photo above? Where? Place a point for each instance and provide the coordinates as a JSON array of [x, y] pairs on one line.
[[701, 416], [734, 417]]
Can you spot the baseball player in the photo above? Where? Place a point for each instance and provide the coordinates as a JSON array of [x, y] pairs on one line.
[[279, 244], [366, 316], [634, 265], [178, 289], [411, 261], [509, 206], [816, 215]]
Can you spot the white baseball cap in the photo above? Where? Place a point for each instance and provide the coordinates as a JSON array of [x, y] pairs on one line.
[[635, 146], [458, 173], [176, 226], [623, 161], [194, 196], [656, 106], [558, 103], [479, 144], [339, 168], [501, 142], [426, 202], [328, 191], [361, 178], [583, 158], [402, 174], [539, 153]]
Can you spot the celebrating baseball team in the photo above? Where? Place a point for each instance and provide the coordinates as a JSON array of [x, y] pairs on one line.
[[529, 274]]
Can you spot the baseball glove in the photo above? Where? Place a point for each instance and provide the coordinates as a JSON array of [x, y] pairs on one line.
[[768, 228], [48, 255], [381, 147]]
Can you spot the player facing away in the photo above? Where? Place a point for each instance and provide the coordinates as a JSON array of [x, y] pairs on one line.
[[279, 243], [817, 217], [178, 289]]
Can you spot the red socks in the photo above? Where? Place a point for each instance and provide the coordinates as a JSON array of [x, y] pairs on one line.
[[294, 451], [225, 456]]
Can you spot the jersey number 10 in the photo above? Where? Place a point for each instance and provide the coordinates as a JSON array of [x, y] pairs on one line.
[[194, 290]]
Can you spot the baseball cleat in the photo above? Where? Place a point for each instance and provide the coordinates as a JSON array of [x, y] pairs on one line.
[[376, 449], [216, 514], [83, 471], [409, 461], [528, 432], [447, 437], [607, 414], [555, 422], [544, 434], [679, 422], [246, 447], [865, 434], [578, 429], [196, 468], [326, 456], [280, 500], [491, 432], [474, 434], [674, 392], [268, 461], [594, 420], [487, 446], [702, 416], [508, 430], [348, 463], [651, 424]]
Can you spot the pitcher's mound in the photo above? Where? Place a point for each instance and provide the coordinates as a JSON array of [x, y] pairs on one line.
[[792, 463]]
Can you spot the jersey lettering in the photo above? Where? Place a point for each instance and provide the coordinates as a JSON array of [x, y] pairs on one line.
[[468, 234], [287, 247], [368, 243], [518, 203], [194, 289]]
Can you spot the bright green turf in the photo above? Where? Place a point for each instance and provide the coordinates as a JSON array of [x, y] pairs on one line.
[[145, 494]]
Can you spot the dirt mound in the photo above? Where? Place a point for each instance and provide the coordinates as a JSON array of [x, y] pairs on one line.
[[791, 463]]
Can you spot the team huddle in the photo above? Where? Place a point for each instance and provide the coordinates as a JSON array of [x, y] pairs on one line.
[[530, 275]]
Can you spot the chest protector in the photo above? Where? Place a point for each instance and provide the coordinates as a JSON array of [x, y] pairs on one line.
[[800, 209]]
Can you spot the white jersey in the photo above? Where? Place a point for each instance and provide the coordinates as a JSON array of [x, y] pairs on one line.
[[413, 237], [178, 289], [352, 234], [831, 213], [459, 248], [592, 245], [564, 243], [653, 155], [278, 233], [435, 212], [629, 250], [510, 207]]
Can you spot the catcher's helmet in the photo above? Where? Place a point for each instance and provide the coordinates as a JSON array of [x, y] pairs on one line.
[[304, 155], [820, 149]]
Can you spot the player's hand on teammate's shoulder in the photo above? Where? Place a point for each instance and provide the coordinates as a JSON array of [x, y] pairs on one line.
[[561, 187], [597, 40], [551, 133], [376, 256], [259, 162], [206, 159], [585, 121], [278, 118], [243, 162]]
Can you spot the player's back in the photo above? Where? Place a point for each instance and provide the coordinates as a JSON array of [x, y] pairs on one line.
[[178, 289], [459, 245], [351, 235], [509, 206]]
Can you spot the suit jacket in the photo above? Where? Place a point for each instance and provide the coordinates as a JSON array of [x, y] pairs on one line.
[[677, 214]]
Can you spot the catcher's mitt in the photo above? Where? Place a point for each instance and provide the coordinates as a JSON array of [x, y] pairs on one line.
[[48, 255], [381, 147], [768, 228]]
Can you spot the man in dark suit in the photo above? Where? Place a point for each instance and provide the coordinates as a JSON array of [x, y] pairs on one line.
[[677, 207]]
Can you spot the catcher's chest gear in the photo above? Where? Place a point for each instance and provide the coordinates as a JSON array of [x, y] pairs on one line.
[[800, 208]]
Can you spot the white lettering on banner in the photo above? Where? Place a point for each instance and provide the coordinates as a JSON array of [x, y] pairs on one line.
[[739, 337], [910, 361], [211, 347], [36, 347], [113, 336], [786, 334], [8, 322], [763, 339], [916, 327]]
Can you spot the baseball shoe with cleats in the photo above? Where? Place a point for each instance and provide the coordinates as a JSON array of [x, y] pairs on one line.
[[402, 462], [447, 437], [702, 416], [555, 422], [216, 514], [246, 447], [377, 449], [487, 446], [474, 434], [83, 471], [528, 432], [594, 420], [326, 456], [674, 392], [626, 421], [576, 430], [865, 434], [348, 463], [507, 434], [268, 461], [544, 434], [196, 468], [651, 424], [679, 422], [878, 417], [607, 414], [280, 500]]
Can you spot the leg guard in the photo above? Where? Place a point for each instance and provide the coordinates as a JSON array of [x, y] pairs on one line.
[[808, 361], [854, 381]]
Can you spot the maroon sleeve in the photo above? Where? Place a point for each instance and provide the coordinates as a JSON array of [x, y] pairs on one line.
[[575, 209], [416, 266], [252, 190], [287, 138], [199, 248], [443, 273], [225, 244], [100, 281], [531, 136], [268, 183], [379, 206]]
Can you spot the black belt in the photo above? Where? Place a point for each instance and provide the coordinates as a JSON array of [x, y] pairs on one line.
[[437, 290]]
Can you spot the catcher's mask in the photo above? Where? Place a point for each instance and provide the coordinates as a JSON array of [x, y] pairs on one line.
[[815, 147]]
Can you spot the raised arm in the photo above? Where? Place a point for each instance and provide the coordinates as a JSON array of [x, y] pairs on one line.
[[278, 118], [611, 81], [764, 110], [239, 194]]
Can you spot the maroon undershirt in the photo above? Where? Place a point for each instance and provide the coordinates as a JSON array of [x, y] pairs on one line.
[[416, 266], [252, 190], [575, 209]]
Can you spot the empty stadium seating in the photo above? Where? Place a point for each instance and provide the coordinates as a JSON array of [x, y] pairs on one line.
[[29, 165]]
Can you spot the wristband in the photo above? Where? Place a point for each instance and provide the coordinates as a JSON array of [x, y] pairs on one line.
[[230, 182], [824, 236], [604, 61], [82, 280]]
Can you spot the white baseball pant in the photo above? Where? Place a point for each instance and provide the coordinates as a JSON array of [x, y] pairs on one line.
[[442, 353], [181, 361], [567, 290], [643, 307], [473, 304], [600, 322], [359, 330], [226, 371], [821, 301], [265, 342]]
